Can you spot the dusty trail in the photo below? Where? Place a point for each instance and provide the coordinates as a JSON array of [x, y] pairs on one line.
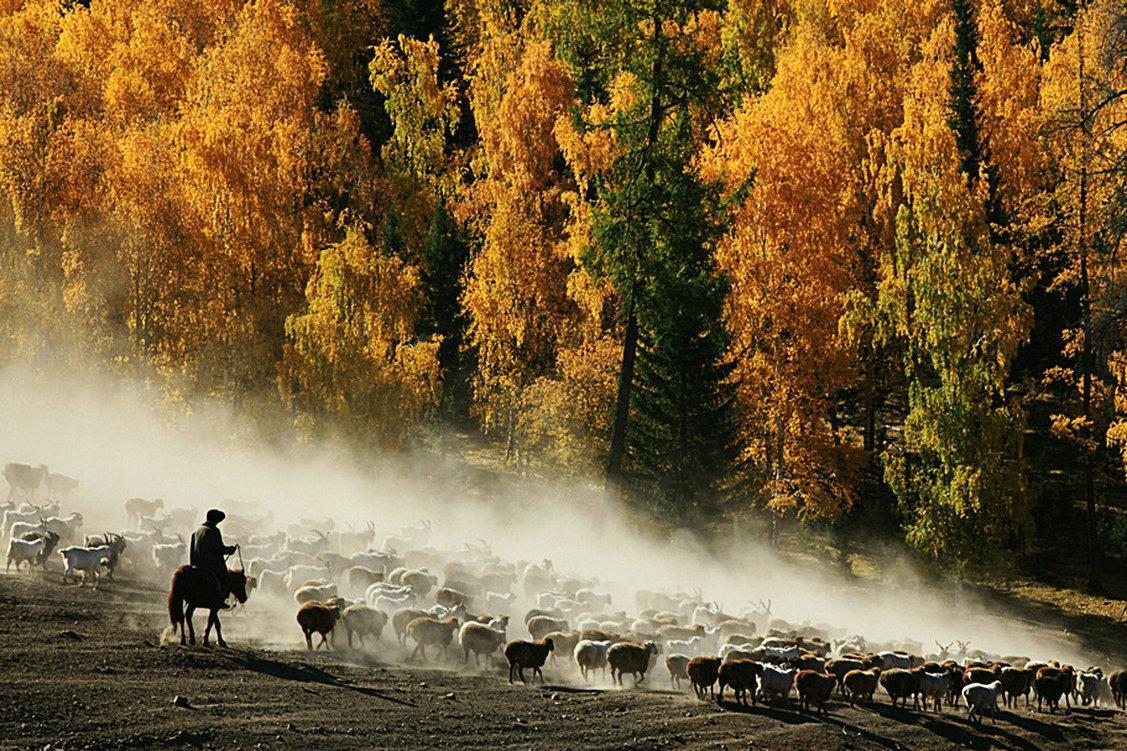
[[84, 669]]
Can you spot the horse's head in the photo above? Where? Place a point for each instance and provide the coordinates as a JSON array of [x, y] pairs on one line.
[[241, 584]]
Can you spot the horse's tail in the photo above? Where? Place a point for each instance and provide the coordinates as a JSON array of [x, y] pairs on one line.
[[175, 603]]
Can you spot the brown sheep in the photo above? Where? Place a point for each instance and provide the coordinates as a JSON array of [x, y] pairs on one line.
[[737, 627], [1051, 684], [553, 613], [1117, 681], [739, 638], [810, 661], [676, 664], [363, 621], [628, 657], [420, 582], [542, 625], [428, 631], [399, 620], [861, 684], [317, 617], [665, 633], [360, 578], [564, 642], [979, 674], [841, 667], [527, 654], [703, 673], [598, 634], [814, 687], [743, 678], [1015, 682], [452, 598], [900, 684]]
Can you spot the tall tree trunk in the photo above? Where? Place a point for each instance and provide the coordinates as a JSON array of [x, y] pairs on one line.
[[622, 400], [630, 339], [1088, 434]]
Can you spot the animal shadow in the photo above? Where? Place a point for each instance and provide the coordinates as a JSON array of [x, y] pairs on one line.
[[257, 663]]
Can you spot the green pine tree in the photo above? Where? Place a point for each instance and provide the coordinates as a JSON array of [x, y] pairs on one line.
[[446, 254]]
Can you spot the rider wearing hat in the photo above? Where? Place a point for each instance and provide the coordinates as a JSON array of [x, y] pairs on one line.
[[208, 553]]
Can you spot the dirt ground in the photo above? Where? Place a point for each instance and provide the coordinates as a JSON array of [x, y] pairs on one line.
[[86, 669]]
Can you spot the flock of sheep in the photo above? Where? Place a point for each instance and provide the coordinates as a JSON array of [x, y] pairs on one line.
[[434, 599]]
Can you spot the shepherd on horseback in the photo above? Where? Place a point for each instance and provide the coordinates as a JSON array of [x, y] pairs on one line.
[[206, 583], [209, 554]]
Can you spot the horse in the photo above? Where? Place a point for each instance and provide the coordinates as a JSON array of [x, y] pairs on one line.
[[197, 589]]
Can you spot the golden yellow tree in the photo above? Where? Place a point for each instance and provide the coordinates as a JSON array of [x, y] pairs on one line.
[[352, 360]]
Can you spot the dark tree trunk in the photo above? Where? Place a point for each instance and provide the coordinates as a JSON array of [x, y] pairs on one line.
[[622, 401]]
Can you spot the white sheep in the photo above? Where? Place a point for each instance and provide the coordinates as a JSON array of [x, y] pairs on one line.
[[889, 660], [167, 556], [691, 646], [271, 581], [319, 592], [703, 615], [726, 649], [933, 687], [308, 545], [389, 603], [1088, 686], [776, 681], [20, 551], [592, 599], [591, 655], [299, 574], [781, 654], [496, 602], [980, 697], [279, 564], [378, 589], [548, 600]]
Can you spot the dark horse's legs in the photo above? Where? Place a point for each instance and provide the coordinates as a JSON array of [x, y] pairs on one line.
[[183, 632], [191, 629], [213, 620]]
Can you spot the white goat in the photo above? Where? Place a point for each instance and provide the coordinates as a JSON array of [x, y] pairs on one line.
[[19, 529], [25, 513], [67, 527], [86, 560], [20, 551]]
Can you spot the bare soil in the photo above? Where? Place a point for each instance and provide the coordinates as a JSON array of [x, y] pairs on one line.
[[86, 669]]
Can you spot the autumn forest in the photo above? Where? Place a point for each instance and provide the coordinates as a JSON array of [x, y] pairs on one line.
[[854, 263]]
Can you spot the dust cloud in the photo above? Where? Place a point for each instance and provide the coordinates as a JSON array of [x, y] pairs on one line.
[[120, 440]]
